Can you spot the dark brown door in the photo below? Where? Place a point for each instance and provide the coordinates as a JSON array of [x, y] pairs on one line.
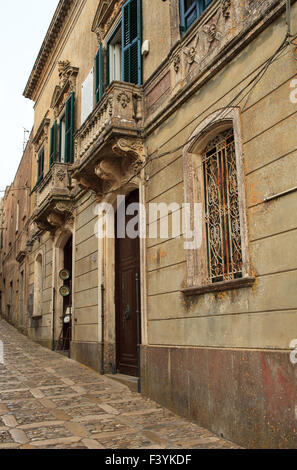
[[127, 268]]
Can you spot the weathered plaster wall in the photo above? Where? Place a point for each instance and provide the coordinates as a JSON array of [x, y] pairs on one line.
[[248, 317], [223, 359]]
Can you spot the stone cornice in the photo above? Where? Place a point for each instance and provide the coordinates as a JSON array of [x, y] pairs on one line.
[[55, 27]]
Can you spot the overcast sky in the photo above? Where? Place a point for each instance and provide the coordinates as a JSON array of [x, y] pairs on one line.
[[23, 26]]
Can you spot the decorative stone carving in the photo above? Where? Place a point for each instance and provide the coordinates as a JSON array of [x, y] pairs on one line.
[[191, 51], [226, 7], [131, 147], [211, 30], [63, 206], [41, 135], [64, 71], [100, 34], [109, 170], [123, 99], [61, 174], [55, 220], [67, 85], [176, 63]]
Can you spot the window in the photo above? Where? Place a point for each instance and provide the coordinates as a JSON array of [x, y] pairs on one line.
[[67, 131], [99, 74], [114, 56], [214, 182], [53, 144], [222, 219], [190, 10], [123, 54], [40, 166], [131, 42]]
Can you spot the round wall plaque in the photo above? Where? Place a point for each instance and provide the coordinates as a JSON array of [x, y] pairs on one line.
[[65, 291], [64, 274]]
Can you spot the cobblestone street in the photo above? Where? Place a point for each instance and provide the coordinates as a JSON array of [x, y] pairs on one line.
[[50, 402]]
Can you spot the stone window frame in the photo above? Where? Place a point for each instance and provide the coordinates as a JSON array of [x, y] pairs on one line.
[[197, 263]]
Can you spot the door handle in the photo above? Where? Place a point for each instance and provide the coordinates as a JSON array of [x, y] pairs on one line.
[[127, 313]]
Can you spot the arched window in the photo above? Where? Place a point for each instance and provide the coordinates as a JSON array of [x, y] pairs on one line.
[[38, 286], [214, 178], [222, 218]]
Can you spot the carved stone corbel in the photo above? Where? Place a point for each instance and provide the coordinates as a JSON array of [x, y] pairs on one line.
[[109, 170], [133, 148], [55, 220]]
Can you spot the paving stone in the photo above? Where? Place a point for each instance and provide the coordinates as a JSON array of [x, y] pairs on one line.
[[9, 421], [50, 402], [19, 436], [6, 437], [92, 444]]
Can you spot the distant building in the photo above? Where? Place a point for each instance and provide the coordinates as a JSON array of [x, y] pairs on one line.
[[14, 250]]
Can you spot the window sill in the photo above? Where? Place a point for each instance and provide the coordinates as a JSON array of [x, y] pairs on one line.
[[36, 317], [219, 286]]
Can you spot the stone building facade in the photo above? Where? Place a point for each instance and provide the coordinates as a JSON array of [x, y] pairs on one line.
[[174, 105], [15, 225]]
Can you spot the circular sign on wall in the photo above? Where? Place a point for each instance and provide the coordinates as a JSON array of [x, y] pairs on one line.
[[64, 274], [65, 291]]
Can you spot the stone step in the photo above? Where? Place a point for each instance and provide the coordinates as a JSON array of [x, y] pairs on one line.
[[129, 381]]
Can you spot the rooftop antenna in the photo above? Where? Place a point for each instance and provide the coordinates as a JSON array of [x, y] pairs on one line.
[[26, 132]]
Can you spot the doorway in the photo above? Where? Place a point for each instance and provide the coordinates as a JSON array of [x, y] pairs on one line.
[[67, 300], [127, 296]]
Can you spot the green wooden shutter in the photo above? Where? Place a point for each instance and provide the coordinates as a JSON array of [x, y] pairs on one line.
[[131, 42], [99, 74], [53, 144], [69, 132], [40, 166]]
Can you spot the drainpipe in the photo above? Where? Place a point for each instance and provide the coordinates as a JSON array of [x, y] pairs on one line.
[[138, 330], [102, 329], [53, 317]]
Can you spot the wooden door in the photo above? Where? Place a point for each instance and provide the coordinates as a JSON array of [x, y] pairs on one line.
[[127, 267]]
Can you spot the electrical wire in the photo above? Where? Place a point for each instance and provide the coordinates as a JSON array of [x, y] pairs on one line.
[[253, 83]]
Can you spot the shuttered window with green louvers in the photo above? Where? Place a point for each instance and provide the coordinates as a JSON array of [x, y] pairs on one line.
[[40, 166], [53, 144], [131, 42], [69, 129], [99, 74]]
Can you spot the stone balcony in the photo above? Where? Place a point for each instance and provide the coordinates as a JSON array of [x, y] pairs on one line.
[[108, 146], [53, 200]]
